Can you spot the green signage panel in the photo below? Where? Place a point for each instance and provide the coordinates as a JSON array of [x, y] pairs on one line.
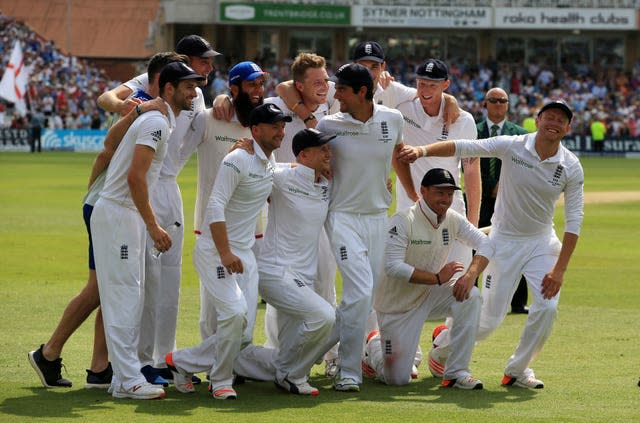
[[285, 13]]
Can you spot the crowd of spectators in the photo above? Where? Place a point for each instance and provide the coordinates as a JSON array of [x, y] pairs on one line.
[[63, 89]]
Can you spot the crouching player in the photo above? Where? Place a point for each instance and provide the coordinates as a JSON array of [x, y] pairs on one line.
[[413, 287]]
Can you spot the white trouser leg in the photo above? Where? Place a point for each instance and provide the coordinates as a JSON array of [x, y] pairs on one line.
[[118, 238], [305, 320], [358, 246], [162, 281], [231, 306], [542, 313]]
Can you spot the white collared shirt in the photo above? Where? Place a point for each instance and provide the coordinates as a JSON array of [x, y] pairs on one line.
[[361, 159], [151, 129], [213, 139], [297, 210], [284, 154], [172, 165], [241, 188], [529, 188], [416, 240], [421, 129]]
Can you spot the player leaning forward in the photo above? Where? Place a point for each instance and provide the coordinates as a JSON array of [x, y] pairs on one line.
[[536, 169], [417, 286], [118, 229]]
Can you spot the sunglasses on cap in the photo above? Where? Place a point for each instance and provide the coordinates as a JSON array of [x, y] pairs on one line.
[[498, 100]]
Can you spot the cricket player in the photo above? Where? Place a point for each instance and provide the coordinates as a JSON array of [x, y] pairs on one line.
[[287, 267], [212, 139], [312, 82], [386, 91], [163, 273], [223, 256], [288, 263], [118, 229], [369, 136], [417, 285], [536, 169]]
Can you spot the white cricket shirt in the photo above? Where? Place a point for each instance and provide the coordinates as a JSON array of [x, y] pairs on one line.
[[284, 154], [213, 139], [414, 242], [421, 129], [394, 95], [361, 159], [241, 188], [172, 165], [151, 129], [298, 207], [529, 188]]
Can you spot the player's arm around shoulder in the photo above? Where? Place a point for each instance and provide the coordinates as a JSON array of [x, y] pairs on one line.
[[196, 134]]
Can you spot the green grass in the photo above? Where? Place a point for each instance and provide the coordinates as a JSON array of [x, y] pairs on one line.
[[590, 364]]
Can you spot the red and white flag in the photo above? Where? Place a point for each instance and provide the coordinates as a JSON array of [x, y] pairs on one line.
[[13, 86]]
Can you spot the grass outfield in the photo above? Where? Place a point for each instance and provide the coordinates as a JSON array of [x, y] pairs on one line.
[[590, 364]]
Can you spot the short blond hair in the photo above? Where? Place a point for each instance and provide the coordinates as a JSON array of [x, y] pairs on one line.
[[304, 61]]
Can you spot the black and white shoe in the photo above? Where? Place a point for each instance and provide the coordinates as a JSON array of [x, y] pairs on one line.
[[99, 380], [49, 372]]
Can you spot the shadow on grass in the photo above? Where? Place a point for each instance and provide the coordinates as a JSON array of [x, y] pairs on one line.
[[254, 397]]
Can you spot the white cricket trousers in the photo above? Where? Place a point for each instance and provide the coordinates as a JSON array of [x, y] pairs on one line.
[[304, 321], [235, 299], [119, 238], [533, 258], [392, 356], [162, 278], [324, 285], [358, 243]]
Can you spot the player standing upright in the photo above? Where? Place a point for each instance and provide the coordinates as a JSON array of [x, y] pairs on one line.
[[163, 274], [118, 229], [368, 138]]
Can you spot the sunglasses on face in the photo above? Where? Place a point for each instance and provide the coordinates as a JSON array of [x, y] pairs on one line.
[[497, 100]]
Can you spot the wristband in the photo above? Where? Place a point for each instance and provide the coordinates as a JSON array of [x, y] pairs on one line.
[[310, 117], [423, 150], [138, 110], [438, 279]]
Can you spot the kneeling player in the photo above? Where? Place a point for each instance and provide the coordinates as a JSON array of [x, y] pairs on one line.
[[414, 286]]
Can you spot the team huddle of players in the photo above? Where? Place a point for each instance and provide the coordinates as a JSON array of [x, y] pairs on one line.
[[292, 188]]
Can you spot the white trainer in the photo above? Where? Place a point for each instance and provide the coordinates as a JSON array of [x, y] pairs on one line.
[[346, 384], [466, 382], [224, 392], [525, 381], [302, 388], [141, 391]]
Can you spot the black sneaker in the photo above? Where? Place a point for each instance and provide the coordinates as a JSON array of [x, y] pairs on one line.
[[48, 371], [100, 380]]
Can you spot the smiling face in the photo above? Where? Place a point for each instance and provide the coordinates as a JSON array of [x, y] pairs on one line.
[[438, 199], [202, 65], [553, 125], [430, 94], [316, 158], [268, 135], [313, 89]]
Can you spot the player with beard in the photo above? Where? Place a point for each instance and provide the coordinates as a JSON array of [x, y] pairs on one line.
[[213, 138]]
